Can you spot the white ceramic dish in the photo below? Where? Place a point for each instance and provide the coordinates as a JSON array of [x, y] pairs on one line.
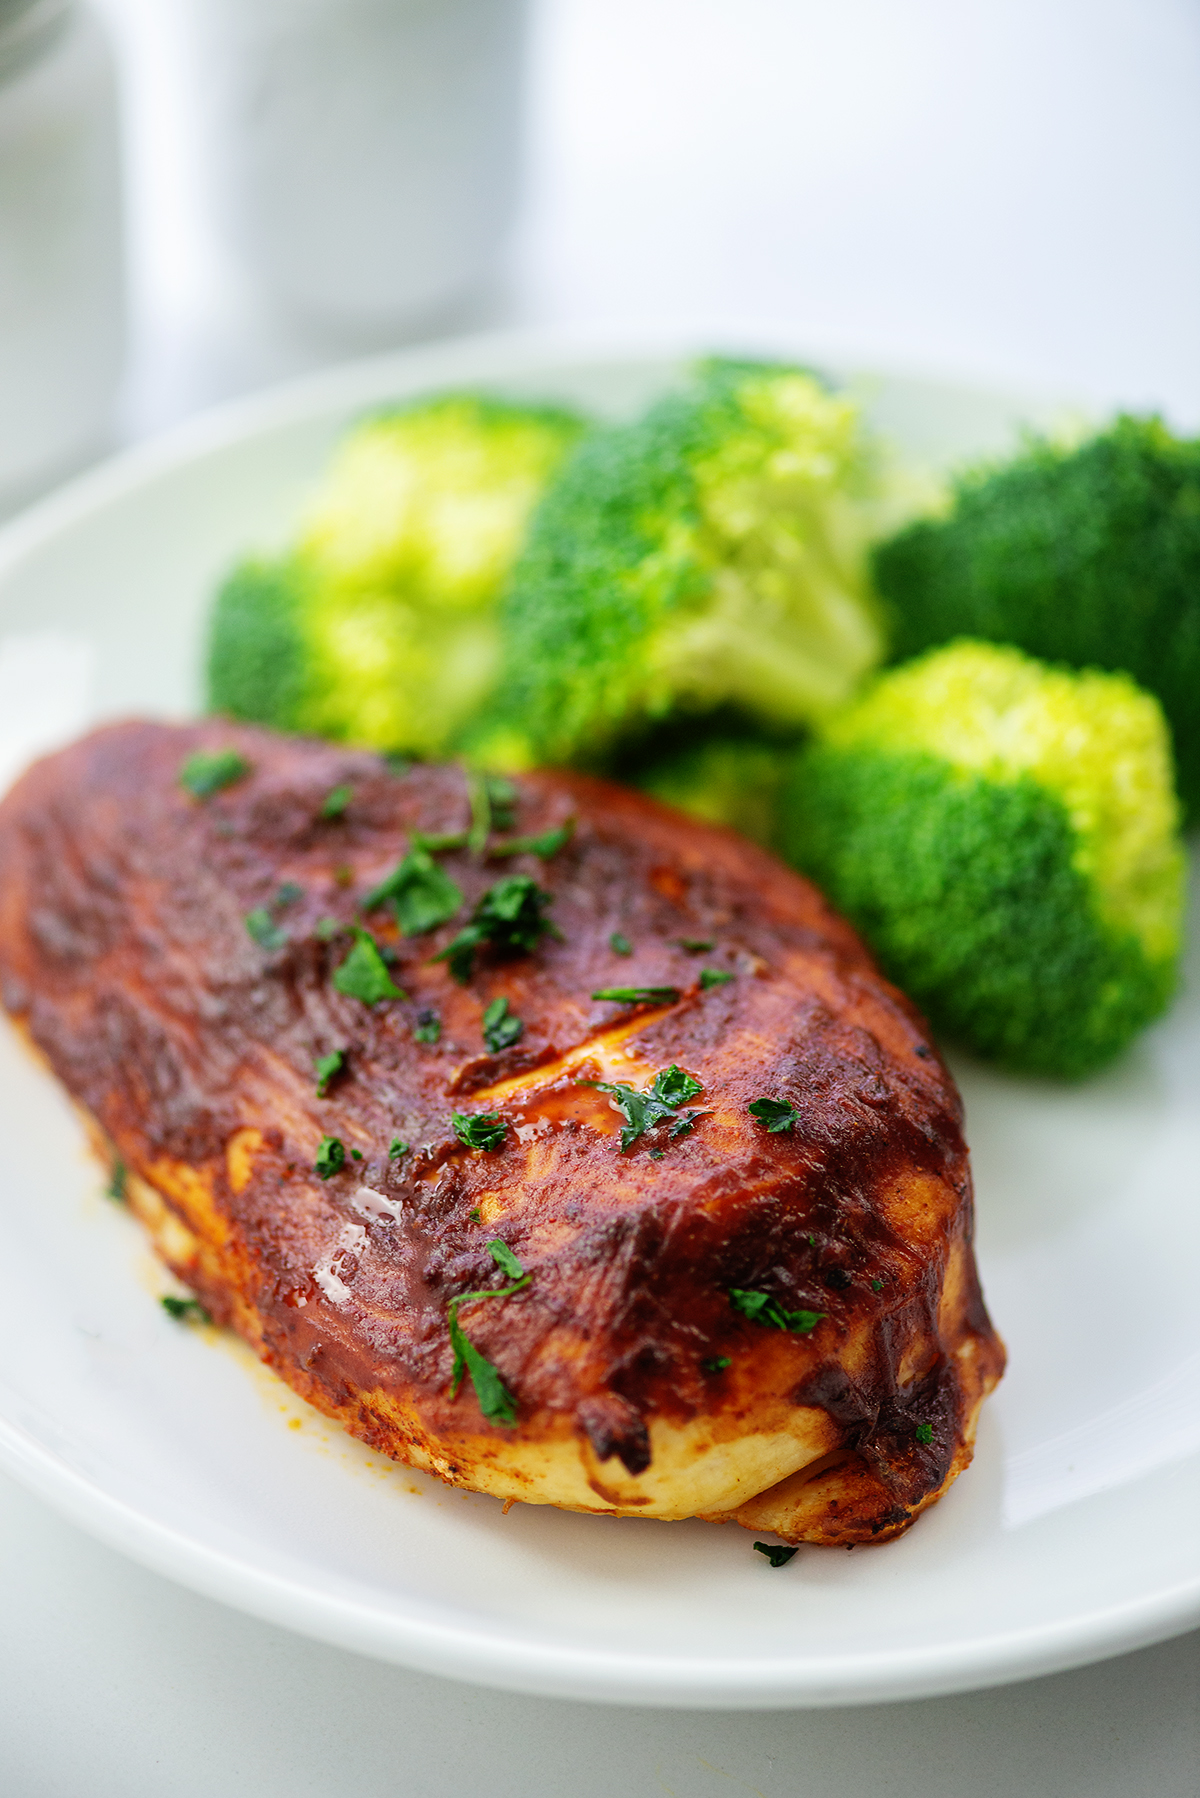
[[1073, 1537]]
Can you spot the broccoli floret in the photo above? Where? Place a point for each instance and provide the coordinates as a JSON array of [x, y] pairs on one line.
[[721, 776], [379, 626], [1004, 834], [710, 555], [1089, 556]]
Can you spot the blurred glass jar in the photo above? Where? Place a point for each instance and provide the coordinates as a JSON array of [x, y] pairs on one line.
[[361, 156], [62, 290]]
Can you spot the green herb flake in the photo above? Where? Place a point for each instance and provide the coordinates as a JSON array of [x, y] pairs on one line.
[[327, 928], [619, 944], [428, 1027], [761, 1308], [363, 975], [876, 1285], [710, 977], [480, 1129], [336, 801], [717, 1363], [776, 1114], [924, 1433], [115, 1189], [287, 895], [343, 875], [696, 945], [778, 1557], [184, 1310], [265, 931], [327, 1067], [657, 1154], [396, 1148], [662, 1102], [502, 798], [495, 1400], [504, 1258], [475, 1215], [509, 917], [547, 844], [331, 1158], [422, 894], [202, 774], [356, 1154], [501, 1028], [639, 995]]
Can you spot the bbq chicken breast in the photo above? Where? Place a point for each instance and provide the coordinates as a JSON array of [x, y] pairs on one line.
[[550, 1141]]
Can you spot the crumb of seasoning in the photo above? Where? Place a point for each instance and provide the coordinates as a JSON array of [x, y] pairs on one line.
[[336, 801], [396, 1148], [202, 774], [716, 1363], [184, 1310], [778, 1557], [343, 874], [710, 977], [924, 1432], [331, 1158], [620, 944], [116, 1183], [923, 1052]]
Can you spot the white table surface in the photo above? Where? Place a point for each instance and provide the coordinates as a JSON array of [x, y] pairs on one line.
[[1006, 189]]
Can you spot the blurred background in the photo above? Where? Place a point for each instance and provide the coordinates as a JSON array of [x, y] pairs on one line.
[[198, 197]]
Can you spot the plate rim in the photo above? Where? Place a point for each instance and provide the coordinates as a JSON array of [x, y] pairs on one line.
[[461, 1651]]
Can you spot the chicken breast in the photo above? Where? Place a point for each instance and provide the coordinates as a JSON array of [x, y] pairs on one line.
[[694, 1304]]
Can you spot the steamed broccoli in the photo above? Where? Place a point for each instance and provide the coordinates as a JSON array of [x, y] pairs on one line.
[[379, 625], [1004, 835], [710, 556], [1089, 556], [722, 776]]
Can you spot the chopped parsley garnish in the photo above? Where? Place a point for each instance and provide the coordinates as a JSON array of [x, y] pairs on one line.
[[876, 1285], [495, 1400], [924, 1433], [696, 945], [331, 1157], [343, 875], [422, 894], [428, 1027], [620, 944], [501, 1027], [395, 763], [710, 977], [184, 1310], [336, 801], [356, 1154], [396, 1148], [657, 1154], [116, 1183], [509, 917], [327, 928], [480, 1129], [761, 1308], [776, 1114], [717, 1363], [662, 1102], [547, 844], [327, 1067], [363, 975], [639, 995], [475, 1215], [288, 894], [265, 931], [778, 1557], [203, 774], [502, 797], [504, 1258]]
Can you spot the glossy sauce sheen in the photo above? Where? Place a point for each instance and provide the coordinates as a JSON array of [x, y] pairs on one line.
[[125, 955]]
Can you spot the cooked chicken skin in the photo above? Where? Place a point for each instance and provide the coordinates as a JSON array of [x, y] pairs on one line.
[[638, 1385]]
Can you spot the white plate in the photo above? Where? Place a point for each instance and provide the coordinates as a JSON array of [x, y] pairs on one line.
[[1073, 1536]]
